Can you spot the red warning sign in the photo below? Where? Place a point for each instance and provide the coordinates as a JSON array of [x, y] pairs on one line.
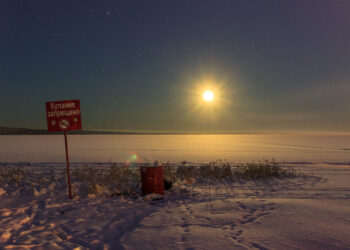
[[63, 115]]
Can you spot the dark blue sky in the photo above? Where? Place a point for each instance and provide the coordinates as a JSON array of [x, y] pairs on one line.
[[141, 65]]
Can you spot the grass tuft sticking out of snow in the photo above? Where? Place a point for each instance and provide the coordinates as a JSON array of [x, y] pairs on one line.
[[116, 180], [223, 171], [125, 180]]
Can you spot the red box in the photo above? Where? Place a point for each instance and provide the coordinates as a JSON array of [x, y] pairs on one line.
[[152, 180], [63, 115]]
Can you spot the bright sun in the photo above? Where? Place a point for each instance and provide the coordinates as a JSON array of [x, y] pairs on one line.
[[208, 96]]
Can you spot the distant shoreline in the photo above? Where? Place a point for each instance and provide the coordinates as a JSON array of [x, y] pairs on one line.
[[28, 131]]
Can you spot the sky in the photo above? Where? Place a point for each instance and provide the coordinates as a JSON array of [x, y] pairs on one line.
[[143, 65]]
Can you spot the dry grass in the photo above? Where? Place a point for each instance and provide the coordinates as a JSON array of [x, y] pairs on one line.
[[116, 180], [125, 180], [223, 171]]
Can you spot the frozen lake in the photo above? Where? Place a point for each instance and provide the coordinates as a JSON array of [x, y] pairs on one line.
[[194, 148]]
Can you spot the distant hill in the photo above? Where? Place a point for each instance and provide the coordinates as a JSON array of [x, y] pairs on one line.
[[29, 131]]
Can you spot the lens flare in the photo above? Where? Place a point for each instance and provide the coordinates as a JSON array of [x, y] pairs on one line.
[[133, 158]]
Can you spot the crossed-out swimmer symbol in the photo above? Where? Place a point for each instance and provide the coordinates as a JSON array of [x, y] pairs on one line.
[[64, 124]]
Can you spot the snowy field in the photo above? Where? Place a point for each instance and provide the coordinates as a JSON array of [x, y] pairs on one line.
[[310, 211]]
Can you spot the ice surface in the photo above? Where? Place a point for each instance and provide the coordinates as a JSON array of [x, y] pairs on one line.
[[194, 148]]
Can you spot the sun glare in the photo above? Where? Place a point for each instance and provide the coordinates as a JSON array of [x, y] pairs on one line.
[[208, 96]]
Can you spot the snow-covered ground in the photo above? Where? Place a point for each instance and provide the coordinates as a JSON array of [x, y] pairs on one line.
[[306, 212]]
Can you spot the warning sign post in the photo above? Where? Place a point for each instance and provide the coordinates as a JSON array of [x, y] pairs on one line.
[[63, 116]]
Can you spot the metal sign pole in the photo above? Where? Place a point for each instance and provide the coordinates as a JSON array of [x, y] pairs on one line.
[[68, 172]]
